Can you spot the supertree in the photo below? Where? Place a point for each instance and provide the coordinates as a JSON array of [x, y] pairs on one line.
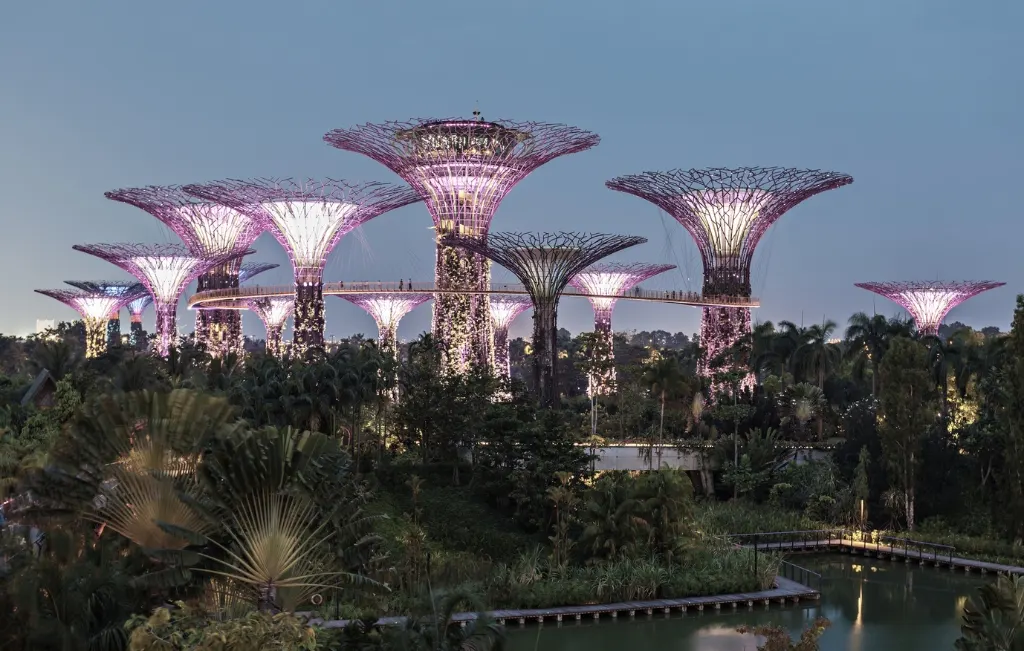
[[165, 270], [250, 269], [308, 218], [126, 289], [504, 310], [462, 169], [273, 312], [929, 301], [387, 309], [605, 283], [95, 308], [135, 309], [544, 263], [726, 211], [208, 230]]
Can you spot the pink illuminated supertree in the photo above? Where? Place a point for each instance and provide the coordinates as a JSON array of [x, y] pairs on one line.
[[504, 310], [462, 169], [165, 270], [308, 218], [250, 269], [929, 301], [95, 307], [544, 263], [273, 312], [209, 230], [126, 289], [605, 283], [387, 309], [135, 309], [726, 211]]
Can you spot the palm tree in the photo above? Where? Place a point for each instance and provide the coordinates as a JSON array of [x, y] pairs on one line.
[[995, 620], [663, 377], [868, 339], [801, 403], [819, 357], [947, 353]]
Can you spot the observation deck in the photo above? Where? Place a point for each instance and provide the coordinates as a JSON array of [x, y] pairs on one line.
[[234, 299]]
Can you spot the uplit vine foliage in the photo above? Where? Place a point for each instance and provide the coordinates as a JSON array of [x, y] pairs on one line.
[[727, 211], [929, 301], [462, 169], [308, 217], [544, 263], [605, 282]]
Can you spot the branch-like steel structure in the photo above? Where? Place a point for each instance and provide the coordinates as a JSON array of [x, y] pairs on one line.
[[135, 309], [250, 269], [95, 308], [208, 229], [127, 289], [388, 309], [462, 168], [273, 312], [605, 282], [504, 310], [727, 211], [308, 218], [165, 270], [544, 263], [929, 301]]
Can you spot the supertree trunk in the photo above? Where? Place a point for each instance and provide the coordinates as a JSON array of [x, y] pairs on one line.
[[138, 336], [502, 363], [274, 340], [721, 328], [602, 378], [387, 336], [462, 322], [308, 331], [545, 351], [220, 331], [114, 330], [166, 327], [95, 336]]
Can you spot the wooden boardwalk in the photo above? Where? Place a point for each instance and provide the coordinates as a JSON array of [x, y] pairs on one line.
[[783, 592], [892, 551]]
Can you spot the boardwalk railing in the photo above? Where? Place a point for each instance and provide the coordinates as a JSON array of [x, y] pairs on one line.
[[823, 538], [801, 575]]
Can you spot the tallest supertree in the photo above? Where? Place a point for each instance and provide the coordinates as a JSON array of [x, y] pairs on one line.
[[462, 169], [727, 211]]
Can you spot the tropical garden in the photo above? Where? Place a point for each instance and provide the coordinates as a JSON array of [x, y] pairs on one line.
[[201, 503]]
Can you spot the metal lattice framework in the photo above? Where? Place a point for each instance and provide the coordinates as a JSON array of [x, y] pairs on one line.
[[308, 217], [727, 211], [388, 310], [127, 289], [250, 269], [929, 301], [95, 307], [462, 168], [135, 309], [165, 270], [274, 313], [504, 310], [604, 280], [544, 263], [208, 229]]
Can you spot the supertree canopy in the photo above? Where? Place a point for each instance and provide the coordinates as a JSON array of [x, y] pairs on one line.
[[929, 301], [208, 230], [504, 310], [273, 312], [250, 269], [462, 169], [135, 310], [165, 270], [308, 218], [544, 263], [727, 211], [127, 289], [387, 309], [95, 308], [605, 282]]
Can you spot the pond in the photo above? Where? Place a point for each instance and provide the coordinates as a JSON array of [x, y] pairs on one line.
[[872, 604]]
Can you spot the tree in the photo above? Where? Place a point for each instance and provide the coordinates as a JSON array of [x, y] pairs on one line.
[[1009, 397], [777, 639], [907, 411], [868, 338], [862, 484], [663, 377], [994, 621]]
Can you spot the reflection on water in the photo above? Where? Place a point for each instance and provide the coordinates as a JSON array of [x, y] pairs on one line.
[[873, 605]]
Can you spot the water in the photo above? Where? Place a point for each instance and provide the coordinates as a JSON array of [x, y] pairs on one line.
[[873, 605]]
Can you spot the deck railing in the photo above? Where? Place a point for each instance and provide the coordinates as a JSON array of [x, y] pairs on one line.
[[801, 575], [905, 546]]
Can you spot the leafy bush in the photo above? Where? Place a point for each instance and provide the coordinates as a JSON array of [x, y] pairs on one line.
[[191, 628]]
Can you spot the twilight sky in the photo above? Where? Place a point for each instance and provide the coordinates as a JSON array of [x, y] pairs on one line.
[[919, 100]]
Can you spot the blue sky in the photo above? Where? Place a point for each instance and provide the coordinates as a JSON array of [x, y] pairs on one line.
[[919, 100]]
